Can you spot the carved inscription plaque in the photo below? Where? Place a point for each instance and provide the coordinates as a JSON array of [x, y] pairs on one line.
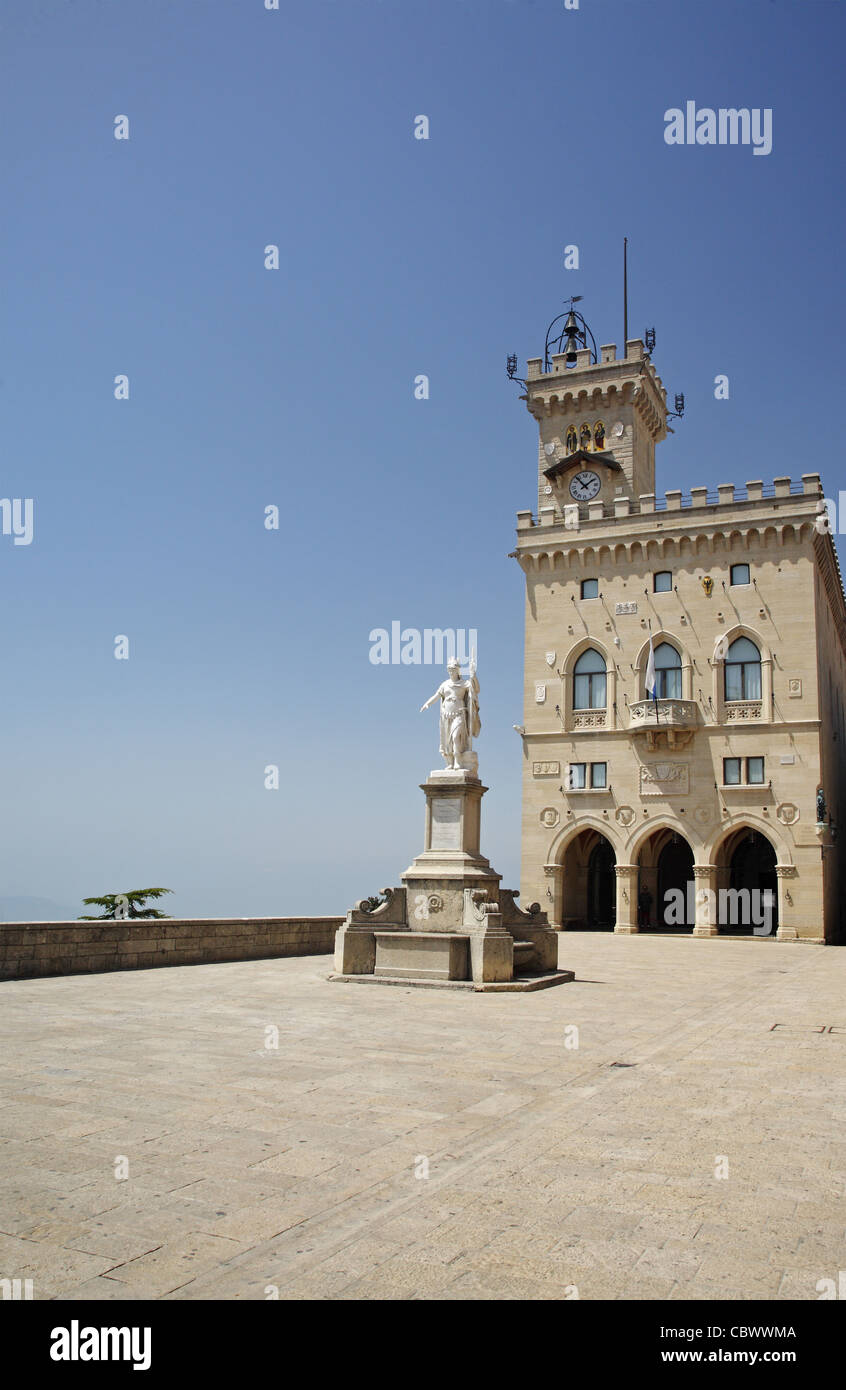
[[446, 827]]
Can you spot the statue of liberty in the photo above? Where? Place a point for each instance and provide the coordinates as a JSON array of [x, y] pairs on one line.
[[460, 722]]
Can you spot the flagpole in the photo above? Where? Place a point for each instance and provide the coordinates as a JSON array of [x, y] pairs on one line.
[[650, 675]]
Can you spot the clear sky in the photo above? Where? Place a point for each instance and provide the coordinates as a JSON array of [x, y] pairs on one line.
[[251, 387]]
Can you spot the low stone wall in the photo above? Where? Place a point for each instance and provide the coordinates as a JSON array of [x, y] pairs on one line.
[[29, 949]]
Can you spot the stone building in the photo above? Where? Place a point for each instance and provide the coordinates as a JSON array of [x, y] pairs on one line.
[[709, 801]]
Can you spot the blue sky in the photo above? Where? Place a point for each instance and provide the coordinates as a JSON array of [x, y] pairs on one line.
[[294, 387]]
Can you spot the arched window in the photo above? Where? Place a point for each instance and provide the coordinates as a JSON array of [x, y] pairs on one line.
[[668, 676], [589, 681], [743, 671]]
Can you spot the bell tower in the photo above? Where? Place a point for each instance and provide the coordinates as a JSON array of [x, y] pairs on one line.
[[599, 418]]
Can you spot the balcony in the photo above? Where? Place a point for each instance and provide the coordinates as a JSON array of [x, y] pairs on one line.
[[670, 720], [737, 711], [588, 719]]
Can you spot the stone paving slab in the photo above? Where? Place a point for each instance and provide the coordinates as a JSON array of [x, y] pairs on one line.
[[286, 1137]]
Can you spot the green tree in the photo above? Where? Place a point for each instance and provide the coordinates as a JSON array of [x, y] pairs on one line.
[[122, 906]]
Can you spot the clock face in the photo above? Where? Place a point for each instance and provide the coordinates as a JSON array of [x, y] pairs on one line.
[[585, 486]]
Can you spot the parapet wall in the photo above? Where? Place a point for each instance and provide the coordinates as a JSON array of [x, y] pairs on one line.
[[30, 949], [720, 504]]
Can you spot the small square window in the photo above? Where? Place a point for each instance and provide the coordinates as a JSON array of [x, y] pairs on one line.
[[731, 772], [755, 771], [598, 774], [590, 588], [576, 776], [662, 582], [740, 574]]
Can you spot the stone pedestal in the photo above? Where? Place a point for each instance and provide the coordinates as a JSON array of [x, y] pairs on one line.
[[451, 860], [450, 923]]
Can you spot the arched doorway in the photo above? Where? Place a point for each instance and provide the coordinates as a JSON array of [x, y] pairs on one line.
[[588, 886], [752, 901], [601, 887], [666, 890], [676, 897]]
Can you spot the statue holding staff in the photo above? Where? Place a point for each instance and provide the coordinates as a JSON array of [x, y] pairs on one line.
[[460, 722]]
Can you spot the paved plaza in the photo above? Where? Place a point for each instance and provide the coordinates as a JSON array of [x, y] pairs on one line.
[[300, 1169]]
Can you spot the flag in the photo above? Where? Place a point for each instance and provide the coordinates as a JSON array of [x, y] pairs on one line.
[[650, 671]]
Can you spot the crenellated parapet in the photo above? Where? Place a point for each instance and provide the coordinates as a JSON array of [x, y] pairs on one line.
[[701, 523], [608, 385]]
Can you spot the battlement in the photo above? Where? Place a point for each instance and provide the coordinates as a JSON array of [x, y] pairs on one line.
[[756, 495], [635, 352], [610, 377]]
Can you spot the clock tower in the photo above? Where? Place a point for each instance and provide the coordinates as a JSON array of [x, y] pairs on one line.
[[598, 421]]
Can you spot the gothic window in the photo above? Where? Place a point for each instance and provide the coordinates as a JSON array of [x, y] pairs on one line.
[[743, 671], [572, 440], [599, 435], [585, 437], [668, 676], [589, 681]]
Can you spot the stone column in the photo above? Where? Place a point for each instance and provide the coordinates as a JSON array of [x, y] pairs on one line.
[[786, 912], [626, 923], [705, 899], [553, 905]]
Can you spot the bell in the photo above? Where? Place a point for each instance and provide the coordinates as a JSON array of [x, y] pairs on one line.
[[571, 349]]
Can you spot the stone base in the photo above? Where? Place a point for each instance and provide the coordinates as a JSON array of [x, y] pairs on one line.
[[523, 984], [422, 955], [450, 923], [468, 772]]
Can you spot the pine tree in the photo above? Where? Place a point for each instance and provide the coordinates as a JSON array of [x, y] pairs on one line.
[[122, 906]]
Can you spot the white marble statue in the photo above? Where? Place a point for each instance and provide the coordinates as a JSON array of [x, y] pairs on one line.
[[460, 722]]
